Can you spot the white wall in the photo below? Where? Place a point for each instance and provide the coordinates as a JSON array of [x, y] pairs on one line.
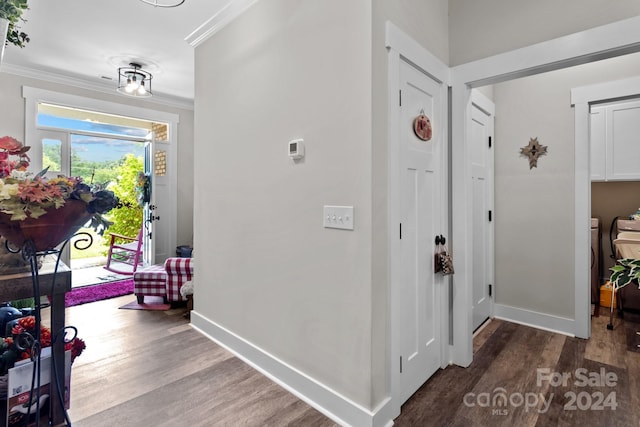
[[479, 29], [535, 208], [12, 122], [312, 298], [272, 274], [301, 69], [426, 22]]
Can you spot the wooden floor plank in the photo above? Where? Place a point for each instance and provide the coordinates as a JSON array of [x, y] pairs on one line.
[[607, 346], [510, 358], [633, 373], [585, 408], [448, 387], [144, 368], [151, 368], [140, 371], [485, 331], [514, 373]]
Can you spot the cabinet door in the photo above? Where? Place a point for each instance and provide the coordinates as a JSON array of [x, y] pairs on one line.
[[623, 141], [597, 142]]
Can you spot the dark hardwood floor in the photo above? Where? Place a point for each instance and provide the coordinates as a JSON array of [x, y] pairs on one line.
[[548, 380], [144, 368]]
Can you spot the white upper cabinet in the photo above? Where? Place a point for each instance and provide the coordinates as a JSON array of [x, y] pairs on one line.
[[615, 141], [598, 144]]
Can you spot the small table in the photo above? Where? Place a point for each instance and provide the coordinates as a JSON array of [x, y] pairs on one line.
[[20, 286]]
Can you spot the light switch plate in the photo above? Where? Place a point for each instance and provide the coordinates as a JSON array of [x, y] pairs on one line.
[[338, 217]]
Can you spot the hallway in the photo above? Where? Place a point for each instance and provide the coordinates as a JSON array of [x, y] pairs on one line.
[[152, 368]]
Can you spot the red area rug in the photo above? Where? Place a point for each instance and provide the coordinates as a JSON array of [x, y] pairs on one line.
[[99, 292], [150, 303]]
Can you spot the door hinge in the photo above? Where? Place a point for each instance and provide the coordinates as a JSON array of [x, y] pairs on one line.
[[490, 216], [489, 142], [400, 364], [400, 97], [490, 289], [400, 231]]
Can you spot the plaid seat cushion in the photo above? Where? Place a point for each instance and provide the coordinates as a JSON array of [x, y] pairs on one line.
[[179, 271], [150, 280]]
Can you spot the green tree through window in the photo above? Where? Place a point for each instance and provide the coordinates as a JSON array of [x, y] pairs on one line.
[[126, 218]]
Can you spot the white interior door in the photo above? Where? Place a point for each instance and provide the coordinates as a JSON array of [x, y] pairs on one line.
[[481, 147], [419, 292]]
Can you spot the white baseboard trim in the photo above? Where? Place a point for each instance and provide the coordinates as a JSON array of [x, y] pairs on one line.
[[547, 322], [335, 406]]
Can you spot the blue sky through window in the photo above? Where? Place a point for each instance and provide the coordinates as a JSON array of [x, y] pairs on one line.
[[75, 124], [97, 149], [93, 148]]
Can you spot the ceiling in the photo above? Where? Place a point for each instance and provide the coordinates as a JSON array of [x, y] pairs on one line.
[[84, 42]]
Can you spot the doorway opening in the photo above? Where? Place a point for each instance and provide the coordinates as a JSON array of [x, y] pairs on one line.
[[535, 209], [107, 151]]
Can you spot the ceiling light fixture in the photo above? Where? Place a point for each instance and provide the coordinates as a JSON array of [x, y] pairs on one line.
[[134, 81], [156, 3]]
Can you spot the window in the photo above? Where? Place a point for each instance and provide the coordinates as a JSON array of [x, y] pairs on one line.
[[62, 128], [52, 154], [96, 141], [59, 117]]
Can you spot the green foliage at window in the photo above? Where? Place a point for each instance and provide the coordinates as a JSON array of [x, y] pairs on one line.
[[102, 173], [126, 218], [51, 156], [91, 172]]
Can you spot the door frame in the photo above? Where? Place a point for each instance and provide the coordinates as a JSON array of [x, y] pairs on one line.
[[618, 38], [33, 96], [401, 47], [607, 41]]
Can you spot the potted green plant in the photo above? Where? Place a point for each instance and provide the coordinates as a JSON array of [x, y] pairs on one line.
[[10, 16], [626, 270]]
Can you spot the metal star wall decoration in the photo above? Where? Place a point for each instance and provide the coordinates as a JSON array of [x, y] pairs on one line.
[[533, 151]]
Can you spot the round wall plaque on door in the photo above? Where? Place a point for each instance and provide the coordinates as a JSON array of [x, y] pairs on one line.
[[422, 127]]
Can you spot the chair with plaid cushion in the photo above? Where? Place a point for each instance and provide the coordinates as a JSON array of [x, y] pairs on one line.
[[179, 271], [163, 280]]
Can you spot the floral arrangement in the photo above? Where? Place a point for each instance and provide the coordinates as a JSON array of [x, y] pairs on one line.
[[23, 195], [10, 352]]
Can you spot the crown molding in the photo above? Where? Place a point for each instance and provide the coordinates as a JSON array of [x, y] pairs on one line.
[[218, 21], [107, 88]]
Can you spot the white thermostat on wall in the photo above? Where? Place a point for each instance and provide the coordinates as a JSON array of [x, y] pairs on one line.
[[296, 149]]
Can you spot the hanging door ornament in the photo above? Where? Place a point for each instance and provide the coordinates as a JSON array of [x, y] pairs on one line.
[[422, 127]]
